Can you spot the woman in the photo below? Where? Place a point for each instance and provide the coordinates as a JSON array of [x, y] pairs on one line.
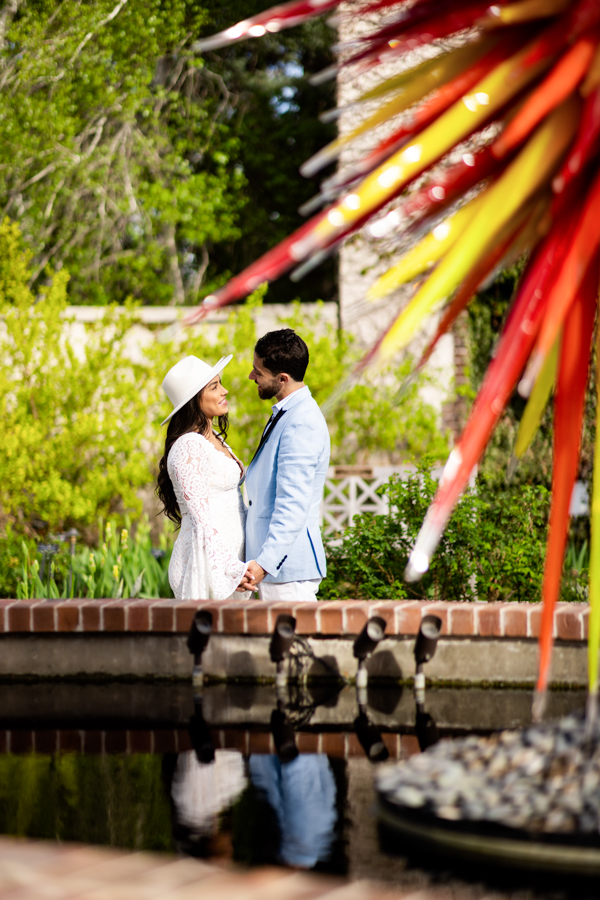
[[199, 484]]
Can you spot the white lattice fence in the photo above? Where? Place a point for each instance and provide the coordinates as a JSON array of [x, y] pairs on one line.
[[351, 491]]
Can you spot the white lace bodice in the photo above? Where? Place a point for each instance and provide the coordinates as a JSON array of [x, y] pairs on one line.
[[207, 560]]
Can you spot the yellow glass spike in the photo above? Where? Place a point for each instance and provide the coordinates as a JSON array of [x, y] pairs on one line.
[[537, 402], [532, 168], [594, 597], [465, 116], [425, 77], [409, 92], [526, 11], [539, 224], [427, 252]]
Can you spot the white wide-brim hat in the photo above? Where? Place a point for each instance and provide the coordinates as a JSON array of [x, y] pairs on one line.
[[187, 378]]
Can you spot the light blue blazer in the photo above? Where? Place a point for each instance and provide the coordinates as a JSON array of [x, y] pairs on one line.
[[284, 485]]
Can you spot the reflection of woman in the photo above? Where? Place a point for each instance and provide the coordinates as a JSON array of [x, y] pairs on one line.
[[199, 484]]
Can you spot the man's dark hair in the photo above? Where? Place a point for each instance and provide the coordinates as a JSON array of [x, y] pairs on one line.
[[283, 351]]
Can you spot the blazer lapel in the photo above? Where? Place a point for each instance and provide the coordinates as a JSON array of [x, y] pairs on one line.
[[267, 433]]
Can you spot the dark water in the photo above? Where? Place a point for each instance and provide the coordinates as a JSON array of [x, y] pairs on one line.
[[241, 773]]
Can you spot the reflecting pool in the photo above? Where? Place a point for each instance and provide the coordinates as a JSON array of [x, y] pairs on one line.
[[239, 773]]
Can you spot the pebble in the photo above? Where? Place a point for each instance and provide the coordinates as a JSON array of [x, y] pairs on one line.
[[544, 778]]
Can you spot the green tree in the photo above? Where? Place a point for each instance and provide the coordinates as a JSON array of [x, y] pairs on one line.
[[276, 121], [126, 159]]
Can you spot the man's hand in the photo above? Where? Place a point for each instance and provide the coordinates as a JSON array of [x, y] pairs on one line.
[[254, 575]]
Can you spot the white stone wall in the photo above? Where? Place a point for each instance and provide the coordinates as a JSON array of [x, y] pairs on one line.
[[160, 322]]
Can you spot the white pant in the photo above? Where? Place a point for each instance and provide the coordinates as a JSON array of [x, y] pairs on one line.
[[290, 591]]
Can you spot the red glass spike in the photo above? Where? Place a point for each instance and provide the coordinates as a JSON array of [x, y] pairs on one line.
[[409, 18], [504, 370], [586, 146], [431, 29], [571, 25], [554, 89], [583, 248], [430, 109], [440, 191], [276, 18], [568, 419]]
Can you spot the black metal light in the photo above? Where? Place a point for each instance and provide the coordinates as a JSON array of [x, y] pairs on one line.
[[427, 732], [281, 642], [365, 644], [197, 640], [425, 646], [71, 536], [200, 735], [47, 551], [369, 737], [284, 735]]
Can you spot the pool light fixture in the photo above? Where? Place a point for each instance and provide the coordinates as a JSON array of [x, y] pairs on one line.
[[197, 640], [425, 647], [284, 735], [369, 737], [281, 641], [426, 728], [365, 644], [200, 735]]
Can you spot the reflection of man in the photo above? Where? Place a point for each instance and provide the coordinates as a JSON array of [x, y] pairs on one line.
[[302, 793], [286, 477]]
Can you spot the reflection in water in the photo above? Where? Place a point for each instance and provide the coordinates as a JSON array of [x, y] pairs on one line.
[[369, 737], [278, 807], [200, 791], [427, 731], [200, 735], [302, 793]]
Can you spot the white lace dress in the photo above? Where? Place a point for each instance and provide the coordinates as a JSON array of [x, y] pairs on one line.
[[207, 560]]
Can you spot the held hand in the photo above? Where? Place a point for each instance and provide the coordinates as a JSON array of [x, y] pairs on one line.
[[254, 575]]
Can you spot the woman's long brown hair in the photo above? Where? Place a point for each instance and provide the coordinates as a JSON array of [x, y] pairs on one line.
[[189, 418]]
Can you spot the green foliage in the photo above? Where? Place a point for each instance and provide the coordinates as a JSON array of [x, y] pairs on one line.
[[73, 423], [123, 565], [117, 800], [127, 158], [12, 547], [492, 549]]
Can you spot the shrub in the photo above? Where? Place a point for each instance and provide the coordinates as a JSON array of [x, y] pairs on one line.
[[73, 422], [493, 548]]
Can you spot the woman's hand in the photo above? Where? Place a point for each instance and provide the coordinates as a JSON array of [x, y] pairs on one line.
[[252, 577]]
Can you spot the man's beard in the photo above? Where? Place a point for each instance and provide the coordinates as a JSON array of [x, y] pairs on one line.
[[269, 390]]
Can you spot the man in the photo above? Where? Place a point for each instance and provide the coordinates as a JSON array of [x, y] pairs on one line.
[[285, 479]]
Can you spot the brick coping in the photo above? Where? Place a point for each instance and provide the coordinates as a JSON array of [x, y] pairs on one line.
[[339, 744], [327, 617]]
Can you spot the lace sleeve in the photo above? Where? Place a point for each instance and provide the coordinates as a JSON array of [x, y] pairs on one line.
[[210, 555]]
